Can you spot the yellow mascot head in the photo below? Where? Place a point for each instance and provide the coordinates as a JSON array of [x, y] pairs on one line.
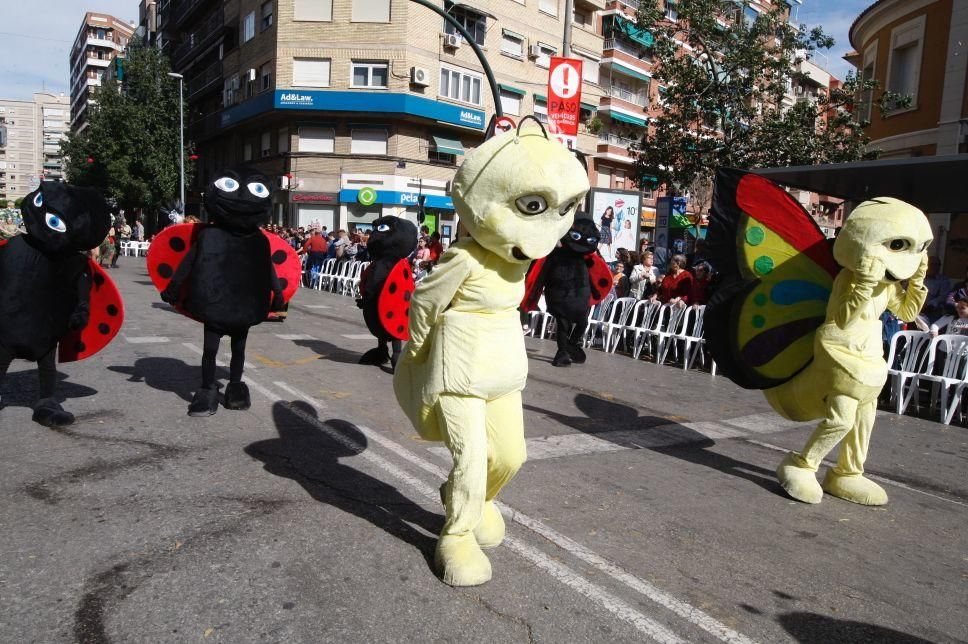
[[888, 229], [517, 194]]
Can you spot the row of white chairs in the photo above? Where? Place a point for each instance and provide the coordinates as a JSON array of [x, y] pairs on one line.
[[940, 364], [134, 248], [336, 276]]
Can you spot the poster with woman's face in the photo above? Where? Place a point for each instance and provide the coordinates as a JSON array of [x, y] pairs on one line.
[[617, 216]]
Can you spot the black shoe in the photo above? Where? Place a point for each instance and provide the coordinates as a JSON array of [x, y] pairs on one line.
[[237, 396], [205, 402], [49, 413], [562, 359], [576, 353], [375, 356]]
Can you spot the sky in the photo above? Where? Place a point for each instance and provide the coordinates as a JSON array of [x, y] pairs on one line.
[[36, 37]]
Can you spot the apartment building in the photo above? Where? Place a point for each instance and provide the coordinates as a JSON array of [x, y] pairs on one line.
[[100, 40], [30, 136]]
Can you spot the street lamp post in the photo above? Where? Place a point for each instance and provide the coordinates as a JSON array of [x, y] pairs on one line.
[[181, 135]]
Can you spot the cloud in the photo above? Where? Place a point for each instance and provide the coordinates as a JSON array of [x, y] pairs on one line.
[[35, 44]]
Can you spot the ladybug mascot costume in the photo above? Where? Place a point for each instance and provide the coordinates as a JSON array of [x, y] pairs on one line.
[[227, 274], [51, 294], [386, 286], [574, 277]]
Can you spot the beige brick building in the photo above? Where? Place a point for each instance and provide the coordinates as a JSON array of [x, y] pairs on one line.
[[30, 142], [100, 39]]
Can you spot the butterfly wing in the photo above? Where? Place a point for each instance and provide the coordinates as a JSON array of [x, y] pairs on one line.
[[778, 270]]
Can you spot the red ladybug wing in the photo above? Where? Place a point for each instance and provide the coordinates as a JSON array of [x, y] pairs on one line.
[[3, 242], [106, 318], [599, 277], [167, 250], [287, 263], [393, 305], [533, 286]]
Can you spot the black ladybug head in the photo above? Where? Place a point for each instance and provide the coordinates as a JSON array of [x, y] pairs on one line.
[[582, 237], [392, 237], [239, 199], [60, 217]]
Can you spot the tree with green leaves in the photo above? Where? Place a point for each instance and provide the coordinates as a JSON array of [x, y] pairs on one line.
[[722, 102], [129, 149]]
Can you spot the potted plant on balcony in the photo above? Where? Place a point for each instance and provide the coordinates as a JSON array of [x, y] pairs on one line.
[[594, 125]]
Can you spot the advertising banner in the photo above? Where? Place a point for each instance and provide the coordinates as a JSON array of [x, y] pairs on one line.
[[564, 99], [616, 213]]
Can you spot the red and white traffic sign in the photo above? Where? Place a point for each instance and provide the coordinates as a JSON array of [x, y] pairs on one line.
[[504, 124], [564, 99]]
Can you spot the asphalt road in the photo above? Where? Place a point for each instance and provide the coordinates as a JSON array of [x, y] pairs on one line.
[[647, 511]]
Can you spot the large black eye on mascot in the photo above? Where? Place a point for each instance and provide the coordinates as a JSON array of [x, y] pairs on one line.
[[51, 294], [573, 278], [386, 286], [227, 274]]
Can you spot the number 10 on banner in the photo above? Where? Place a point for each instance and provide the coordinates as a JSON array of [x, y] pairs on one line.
[[564, 99]]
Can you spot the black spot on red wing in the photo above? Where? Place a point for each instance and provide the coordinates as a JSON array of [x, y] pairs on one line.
[[112, 310], [166, 272], [603, 282], [589, 262], [407, 313], [596, 294], [177, 244], [392, 288], [98, 279], [400, 329], [283, 283], [279, 257], [389, 314], [103, 328], [406, 274], [79, 347], [406, 296]]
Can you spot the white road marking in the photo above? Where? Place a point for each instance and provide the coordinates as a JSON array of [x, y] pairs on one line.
[[317, 306], [146, 339], [357, 336], [294, 336], [874, 477], [252, 384], [245, 363], [300, 394]]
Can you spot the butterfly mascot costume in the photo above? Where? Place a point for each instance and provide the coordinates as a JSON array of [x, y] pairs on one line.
[[227, 274], [801, 320], [386, 287], [53, 297], [573, 278], [461, 374]]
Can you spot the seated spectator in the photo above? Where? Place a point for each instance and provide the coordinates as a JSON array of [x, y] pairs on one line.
[[316, 251], [644, 277], [422, 253], [954, 324], [702, 279], [435, 247], [351, 247], [620, 283], [624, 257], [362, 254], [676, 286]]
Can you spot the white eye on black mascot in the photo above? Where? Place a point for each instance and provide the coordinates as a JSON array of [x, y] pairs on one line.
[[227, 274], [386, 286], [51, 294]]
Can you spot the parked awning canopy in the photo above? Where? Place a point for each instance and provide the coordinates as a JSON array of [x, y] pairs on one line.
[[629, 71], [448, 146], [640, 36], [625, 118]]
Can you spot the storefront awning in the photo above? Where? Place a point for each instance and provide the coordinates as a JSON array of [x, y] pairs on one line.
[[512, 89], [625, 118], [628, 71], [448, 146], [640, 36], [933, 184]]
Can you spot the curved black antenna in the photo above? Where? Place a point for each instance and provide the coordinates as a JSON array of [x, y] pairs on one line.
[[535, 119], [498, 112]]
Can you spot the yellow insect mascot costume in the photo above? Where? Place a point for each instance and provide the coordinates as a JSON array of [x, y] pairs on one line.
[[460, 377], [802, 321]]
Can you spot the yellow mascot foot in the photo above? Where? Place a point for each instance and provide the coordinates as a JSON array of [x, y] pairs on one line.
[[799, 482], [489, 533], [460, 561], [854, 488]]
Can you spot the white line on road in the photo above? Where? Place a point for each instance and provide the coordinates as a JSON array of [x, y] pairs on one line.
[[357, 336], [254, 385], [300, 394], [245, 363], [316, 306], [146, 339], [294, 336]]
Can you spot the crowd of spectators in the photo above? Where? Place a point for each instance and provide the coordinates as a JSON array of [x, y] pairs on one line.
[[680, 279]]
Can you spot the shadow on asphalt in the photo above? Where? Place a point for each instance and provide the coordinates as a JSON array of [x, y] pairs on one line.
[[20, 389], [622, 425], [167, 374], [810, 627], [306, 453], [143, 282], [331, 352]]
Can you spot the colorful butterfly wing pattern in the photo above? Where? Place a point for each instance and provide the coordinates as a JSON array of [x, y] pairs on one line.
[[784, 272]]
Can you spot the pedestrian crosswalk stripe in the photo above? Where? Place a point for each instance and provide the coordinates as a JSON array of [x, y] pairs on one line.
[[294, 336], [146, 339], [357, 336]]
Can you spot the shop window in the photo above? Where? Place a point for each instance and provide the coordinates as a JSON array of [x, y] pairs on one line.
[[368, 141], [317, 139]]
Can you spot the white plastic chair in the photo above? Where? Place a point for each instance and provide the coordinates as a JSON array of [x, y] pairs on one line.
[[693, 341], [596, 315], [652, 321], [906, 359], [954, 349], [351, 286], [326, 274], [617, 317], [540, 319], [630, 323], [666, 337]]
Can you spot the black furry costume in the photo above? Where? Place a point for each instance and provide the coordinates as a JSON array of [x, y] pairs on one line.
[[392, 239], [225, 279], [45, 283], [565, 278]]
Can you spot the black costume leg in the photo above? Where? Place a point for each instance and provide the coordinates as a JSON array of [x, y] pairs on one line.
[[237, 392], [397, 347], [574, 342], [564, 329], [48, 411], [205, 402], [6, 357], [377, 355]]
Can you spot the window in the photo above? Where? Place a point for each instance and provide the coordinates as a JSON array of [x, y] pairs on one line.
[[549, 7], [671, 11], [510, 103], [581, 19], [620, 179], [750, 15], [544, 58], [904, 61], [541, 110], [266, 16], [371, 11], [512, 44], [369, 74], [589, 67], [248, 27], [604, 179], [475, 23], [460, 85], [435, 154], [265, 149], [316, 10], [247, 152], [265, 74], [230, 91], [368, 142], [282, 142], [866, 99], [310, 72], [317, 139]]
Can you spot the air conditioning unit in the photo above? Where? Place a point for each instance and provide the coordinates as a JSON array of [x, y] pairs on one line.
[[282, 182], [419, 76], [252, 74], [452, 40], [534, 51]]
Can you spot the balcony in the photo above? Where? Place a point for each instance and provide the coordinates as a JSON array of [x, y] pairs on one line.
[[207, 79], [616, 140], [640, 98], [187, 8], [207, 33], [626, 47], [634, 4]]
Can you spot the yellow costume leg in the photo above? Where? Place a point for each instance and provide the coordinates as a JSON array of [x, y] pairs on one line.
[[506, 453], [797, 472], [846, 480]]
